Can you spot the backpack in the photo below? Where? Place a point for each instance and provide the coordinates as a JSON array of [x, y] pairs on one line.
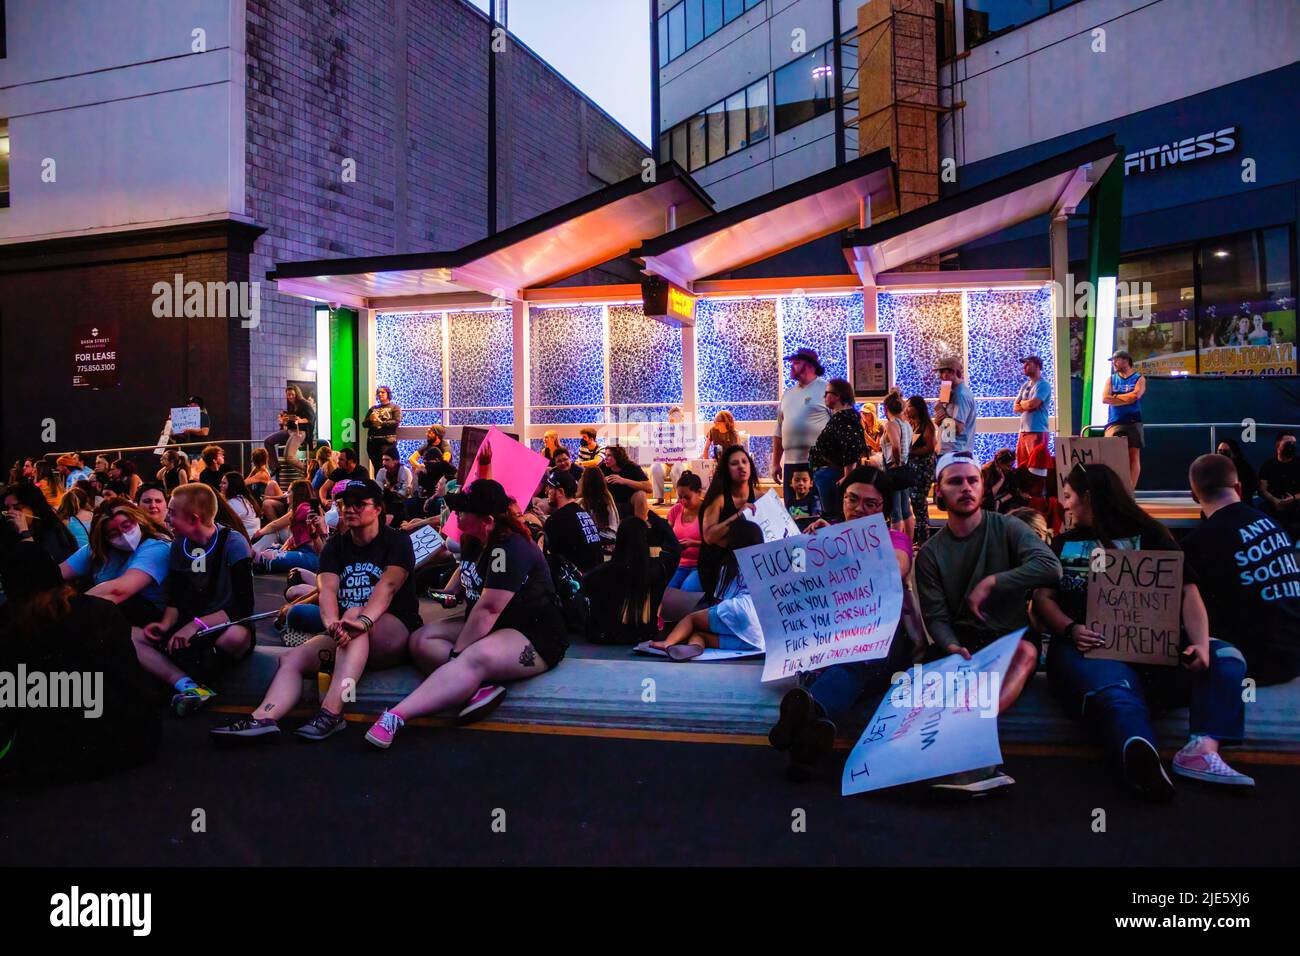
[[571, 600]]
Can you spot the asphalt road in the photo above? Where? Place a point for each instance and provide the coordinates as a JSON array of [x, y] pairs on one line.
[[433, 800]]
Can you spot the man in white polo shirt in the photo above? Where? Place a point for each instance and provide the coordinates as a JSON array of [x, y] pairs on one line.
[[801, 418]]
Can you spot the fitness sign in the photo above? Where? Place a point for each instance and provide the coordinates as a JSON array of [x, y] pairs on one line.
[[94, 358]]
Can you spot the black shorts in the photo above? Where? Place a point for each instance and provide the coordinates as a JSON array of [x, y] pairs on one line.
[[202, 659], [545, 630], [1132, 430]]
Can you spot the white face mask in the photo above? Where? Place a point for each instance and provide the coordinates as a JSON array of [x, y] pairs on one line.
[[128, 540]]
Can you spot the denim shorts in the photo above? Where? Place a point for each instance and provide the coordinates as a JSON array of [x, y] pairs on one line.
[[727, 641]]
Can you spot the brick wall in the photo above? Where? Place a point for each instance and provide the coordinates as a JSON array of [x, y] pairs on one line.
[[323, 80]]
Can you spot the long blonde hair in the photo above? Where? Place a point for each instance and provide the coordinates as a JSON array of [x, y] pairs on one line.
[[726, 424]]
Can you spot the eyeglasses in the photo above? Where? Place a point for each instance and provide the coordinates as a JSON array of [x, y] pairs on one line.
[[353, 505]]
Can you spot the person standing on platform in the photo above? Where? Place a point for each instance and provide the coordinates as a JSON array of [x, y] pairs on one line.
[[956, 418], [179, 437], [1123, 392], [839, 448], [801, 417], [1031, 406], [381, 424]]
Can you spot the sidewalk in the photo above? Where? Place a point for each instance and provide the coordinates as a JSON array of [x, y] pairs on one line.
[[604, 687]]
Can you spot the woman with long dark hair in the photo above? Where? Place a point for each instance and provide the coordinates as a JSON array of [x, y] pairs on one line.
[[27, 509], [513, 629], [1115, 698], [733, 490], [628, 483], [625, 591], [684, 519], [45, 478], [174, 472], [242, 503], [381, 424], [594, 496], [925, 443]]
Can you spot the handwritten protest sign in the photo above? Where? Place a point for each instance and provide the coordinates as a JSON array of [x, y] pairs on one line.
[[937, 719], [425, 542], [1072, 450], [667, 442], [769, 514], [825, 598], [186, 417], [1135, 601], [518, 468]]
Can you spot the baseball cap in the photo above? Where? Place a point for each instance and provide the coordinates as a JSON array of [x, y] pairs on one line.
[[955, 458], [948, 361], [483, 497], [562, 479], [357, 490], [1121, 353], [1033, 358]]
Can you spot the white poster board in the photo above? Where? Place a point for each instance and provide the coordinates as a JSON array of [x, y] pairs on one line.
[[770, 514], [830, 597], [667, 442], [425, 542], [938, 719], [186, 418]]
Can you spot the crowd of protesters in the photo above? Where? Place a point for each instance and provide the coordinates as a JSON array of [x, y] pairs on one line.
[[151, 578]]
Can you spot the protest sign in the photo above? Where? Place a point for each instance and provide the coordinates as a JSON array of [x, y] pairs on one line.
[[1135, 601], [825, 598], [425, 542], [186, 417], [769, 514], [937, 719], [516, 467], [667, 442], [1072, 450]]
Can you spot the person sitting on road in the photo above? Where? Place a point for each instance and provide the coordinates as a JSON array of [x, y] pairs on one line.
[[628, 483], [209, 584], [732, 623], [242, 503], [973, 581], [1113, 697], [27, 508], [806, 504], [1249, 573], [294, 540], [76, 511], [152, 500], [368, 608], [808, 720], [732, 492], [626, 591], [570, 532], [594, 496], [684, 519], [513, 628], [394, 476], [126, 561]]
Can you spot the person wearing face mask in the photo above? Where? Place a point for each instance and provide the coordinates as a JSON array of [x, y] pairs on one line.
[[1279, 484], [126, 561]]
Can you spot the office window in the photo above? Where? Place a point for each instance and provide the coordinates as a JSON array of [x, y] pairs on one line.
[[1246, 304], [803, 88], [751, 4], [4, 164], [712, 17], [663, 41], [694, 22], [681, 154], [677, 31], [756, 99], [699, 146], [732, 9], [717, 120], [987, 19], [737, 124], [1156, 325]]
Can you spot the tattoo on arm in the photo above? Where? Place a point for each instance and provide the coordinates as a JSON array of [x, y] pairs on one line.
[[528, 656]]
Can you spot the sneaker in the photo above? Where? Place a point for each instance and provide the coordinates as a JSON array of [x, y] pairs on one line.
[[323, 725], [484, 701], [796, 711], [810, 748], [1144, 772], [188, 701], [973, 783], [246, 727], [384, 730], [1209, 768]]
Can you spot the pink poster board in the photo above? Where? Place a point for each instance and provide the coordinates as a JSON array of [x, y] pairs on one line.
[[516, 467]]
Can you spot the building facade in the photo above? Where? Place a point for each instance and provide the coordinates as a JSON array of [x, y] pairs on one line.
[[213, 138]]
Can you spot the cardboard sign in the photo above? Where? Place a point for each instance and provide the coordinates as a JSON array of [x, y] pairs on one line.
[[516, 467], [923, 730], [1072, 450], [771, 515], [1135, 601], [826, 598], [186, 418], [426, 542]]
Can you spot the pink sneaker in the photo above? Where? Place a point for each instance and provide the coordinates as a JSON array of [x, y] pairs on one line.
[[1210, 768], [384, 730], [484, 701]]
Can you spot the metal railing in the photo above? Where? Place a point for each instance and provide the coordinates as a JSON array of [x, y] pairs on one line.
[[242, 445]]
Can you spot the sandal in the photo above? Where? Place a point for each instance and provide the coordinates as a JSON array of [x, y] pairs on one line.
[[684, 652]]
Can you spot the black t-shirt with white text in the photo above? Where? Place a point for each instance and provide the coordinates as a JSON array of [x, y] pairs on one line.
[[511, 563], [1250, 580], [359, 569], [572, 533]]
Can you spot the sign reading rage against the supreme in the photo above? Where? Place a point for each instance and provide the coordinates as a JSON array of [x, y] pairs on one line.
[[825, 598], [1135, 603]]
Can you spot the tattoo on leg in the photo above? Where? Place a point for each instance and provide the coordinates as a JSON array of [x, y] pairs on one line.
[[528, 656], [268, 708]]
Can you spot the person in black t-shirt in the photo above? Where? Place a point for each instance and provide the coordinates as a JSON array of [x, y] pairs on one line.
[[368, 608], [1116, 697], [570, 531], [561, 460], [513, 629], [349, 469], [626, 592], [628, 483], [1249, 572], [1279, 483], [297, 421]]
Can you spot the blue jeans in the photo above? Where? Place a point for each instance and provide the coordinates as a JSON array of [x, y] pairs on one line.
[[305, 618], [686, 579], [844, 690], [284, 560], [1115, 698], [900, 505], [826, 481]]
